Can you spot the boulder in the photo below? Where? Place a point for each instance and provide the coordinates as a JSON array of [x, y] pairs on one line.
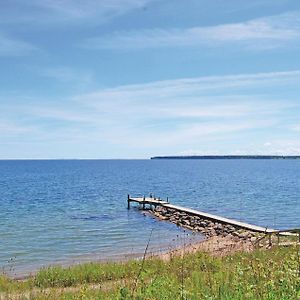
[[186, 222]]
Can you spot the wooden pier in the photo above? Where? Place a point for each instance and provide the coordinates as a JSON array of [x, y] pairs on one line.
[[154, 202], [142, 201], [211, 225]]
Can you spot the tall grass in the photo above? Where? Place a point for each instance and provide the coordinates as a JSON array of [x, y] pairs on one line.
[[272, 274]]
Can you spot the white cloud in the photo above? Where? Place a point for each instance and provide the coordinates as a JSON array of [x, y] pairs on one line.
[[269, 31], [282, 146], [277, 147]]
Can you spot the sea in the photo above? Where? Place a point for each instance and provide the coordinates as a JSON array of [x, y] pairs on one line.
[[70, 211]]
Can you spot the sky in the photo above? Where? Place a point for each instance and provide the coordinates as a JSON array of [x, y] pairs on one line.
[[141, 78]]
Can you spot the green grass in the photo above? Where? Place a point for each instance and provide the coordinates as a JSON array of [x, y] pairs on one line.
[[273, 274]]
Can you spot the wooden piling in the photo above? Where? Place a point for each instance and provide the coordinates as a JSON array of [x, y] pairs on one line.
[[128, 201]]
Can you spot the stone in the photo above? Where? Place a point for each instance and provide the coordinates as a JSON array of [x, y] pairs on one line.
[[162, 218], [212, 233], [187, 222], [236, 238], [218, 228], [189, 227], [243, 235], [230, 228]]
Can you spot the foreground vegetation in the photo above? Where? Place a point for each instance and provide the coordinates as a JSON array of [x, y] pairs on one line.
[[272, 274]]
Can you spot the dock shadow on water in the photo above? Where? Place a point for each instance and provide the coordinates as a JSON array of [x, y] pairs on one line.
[[100, 217]]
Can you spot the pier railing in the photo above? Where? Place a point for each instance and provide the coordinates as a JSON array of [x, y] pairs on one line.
[[286, 237]]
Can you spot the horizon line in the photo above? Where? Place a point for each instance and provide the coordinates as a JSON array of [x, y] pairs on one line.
[[168, 157]]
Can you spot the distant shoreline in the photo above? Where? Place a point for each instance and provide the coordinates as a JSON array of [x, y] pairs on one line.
[[228, 157]]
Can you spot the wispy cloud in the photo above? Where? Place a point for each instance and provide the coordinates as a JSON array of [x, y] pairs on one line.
[[53, 12], [184, 113], [14, 47], [271, 31], [187, 134], [165, 105], [191, 88], [176, 110]]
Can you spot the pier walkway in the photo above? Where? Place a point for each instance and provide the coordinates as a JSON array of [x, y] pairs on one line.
[[152, 201]]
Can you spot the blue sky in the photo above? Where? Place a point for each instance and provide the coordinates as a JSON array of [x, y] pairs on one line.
[[138, 78]]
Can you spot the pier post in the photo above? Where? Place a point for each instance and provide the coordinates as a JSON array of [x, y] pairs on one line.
[[128, 201], [144, 203], [270, 239]]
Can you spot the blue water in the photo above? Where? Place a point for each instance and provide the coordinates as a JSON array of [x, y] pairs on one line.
[[66, 211]]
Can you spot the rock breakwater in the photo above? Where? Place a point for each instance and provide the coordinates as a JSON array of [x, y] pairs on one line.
[[208, 228]]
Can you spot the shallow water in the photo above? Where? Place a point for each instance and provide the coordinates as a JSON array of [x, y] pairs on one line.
[[65, 211]]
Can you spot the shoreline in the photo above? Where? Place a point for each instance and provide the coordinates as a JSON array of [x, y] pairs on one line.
[[156, 250], [216, 246], [216, 239]]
